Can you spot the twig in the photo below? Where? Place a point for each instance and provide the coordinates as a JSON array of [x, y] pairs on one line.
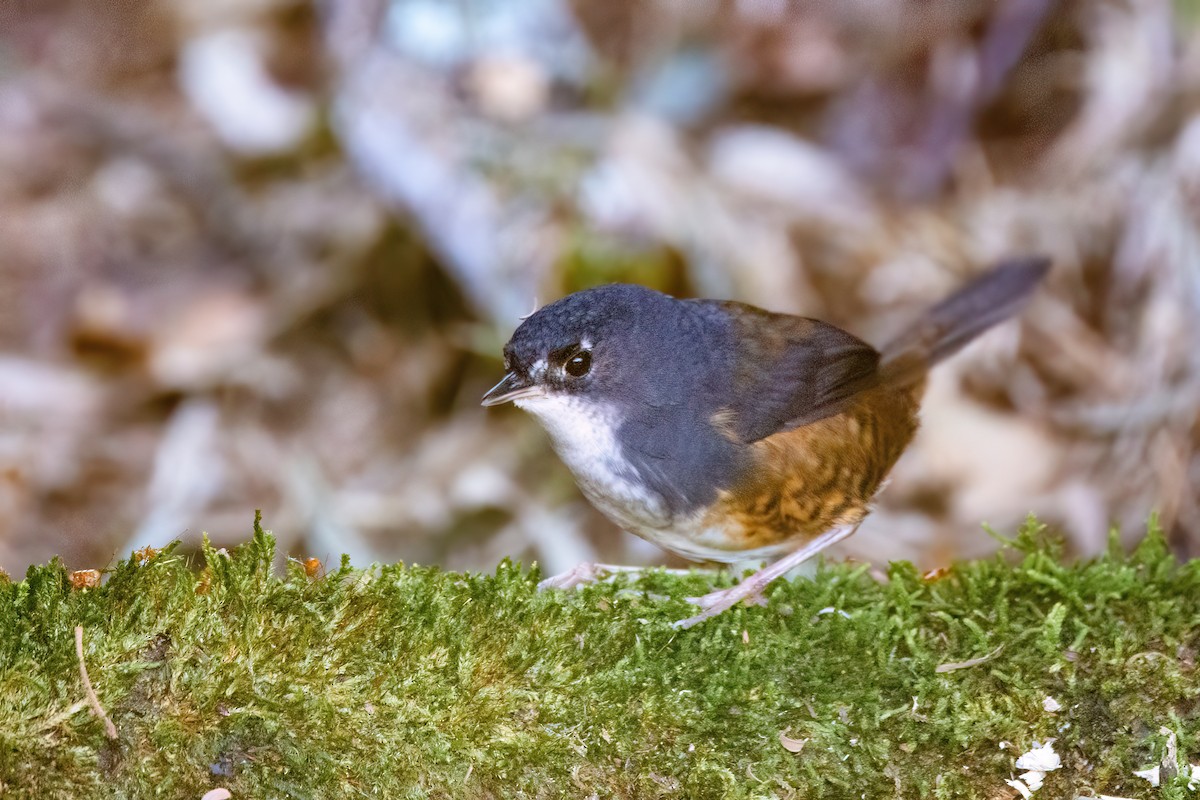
[[970, 662], [109, 729]]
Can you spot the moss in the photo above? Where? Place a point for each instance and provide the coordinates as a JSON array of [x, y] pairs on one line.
[[405, 682]]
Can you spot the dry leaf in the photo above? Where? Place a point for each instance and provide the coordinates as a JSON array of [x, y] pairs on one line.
[[790, 744]]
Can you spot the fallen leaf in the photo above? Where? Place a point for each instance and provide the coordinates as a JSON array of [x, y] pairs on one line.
[[1150, 775], [84, 578], [1020, 787], [1043, 759], [790, 744]]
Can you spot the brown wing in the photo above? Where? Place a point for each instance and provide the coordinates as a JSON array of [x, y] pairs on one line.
[[791, 371]]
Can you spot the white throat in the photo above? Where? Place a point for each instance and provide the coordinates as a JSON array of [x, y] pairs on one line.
[[584, 434]]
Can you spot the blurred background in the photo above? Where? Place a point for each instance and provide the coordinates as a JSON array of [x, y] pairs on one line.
[[264, 254]]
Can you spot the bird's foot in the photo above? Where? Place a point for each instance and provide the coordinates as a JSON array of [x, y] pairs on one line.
[[749, 591], [751, 587], [578, 575], [588, 572], [754, 598]]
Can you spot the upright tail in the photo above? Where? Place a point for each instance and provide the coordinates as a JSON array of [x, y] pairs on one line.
[[947, 327]]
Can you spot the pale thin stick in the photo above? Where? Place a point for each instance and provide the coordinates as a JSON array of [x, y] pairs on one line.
[[971, 662], [109, 729]]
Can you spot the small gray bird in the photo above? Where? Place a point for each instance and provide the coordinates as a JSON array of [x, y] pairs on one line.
[[724, 432]]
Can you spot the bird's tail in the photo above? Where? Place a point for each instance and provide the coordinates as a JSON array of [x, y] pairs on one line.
[[947, 327]]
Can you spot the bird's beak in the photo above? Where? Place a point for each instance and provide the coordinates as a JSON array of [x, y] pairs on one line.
[[513, 387]]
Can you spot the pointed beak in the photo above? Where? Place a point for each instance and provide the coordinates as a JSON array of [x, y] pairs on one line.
[[513, 387]]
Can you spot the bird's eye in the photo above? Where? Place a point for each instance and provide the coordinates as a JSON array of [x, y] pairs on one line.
[[579, 364]]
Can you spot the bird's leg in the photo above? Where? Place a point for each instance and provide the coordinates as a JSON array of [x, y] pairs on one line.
[[714, 603], [589, 572]]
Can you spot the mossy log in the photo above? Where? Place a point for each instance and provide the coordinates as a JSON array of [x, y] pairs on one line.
[[412, 682]]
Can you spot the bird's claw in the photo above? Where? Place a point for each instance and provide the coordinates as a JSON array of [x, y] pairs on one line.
[[577, 575], [749, 590], [754, 597], [713, 603]]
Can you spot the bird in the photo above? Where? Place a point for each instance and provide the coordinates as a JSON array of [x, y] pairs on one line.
[[724, 432]]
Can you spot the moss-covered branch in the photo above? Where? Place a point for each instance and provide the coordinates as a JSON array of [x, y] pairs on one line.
[[413, 682]]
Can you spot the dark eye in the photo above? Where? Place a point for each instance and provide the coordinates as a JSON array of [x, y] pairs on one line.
[[579, 364]]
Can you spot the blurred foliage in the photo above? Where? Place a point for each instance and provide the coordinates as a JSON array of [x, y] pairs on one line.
[[265, 255]]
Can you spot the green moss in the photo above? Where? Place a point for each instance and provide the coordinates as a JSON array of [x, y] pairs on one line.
[[406, 682], [1187, 13]]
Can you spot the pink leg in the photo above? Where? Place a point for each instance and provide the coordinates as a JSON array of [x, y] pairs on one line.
[[751, 588]]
